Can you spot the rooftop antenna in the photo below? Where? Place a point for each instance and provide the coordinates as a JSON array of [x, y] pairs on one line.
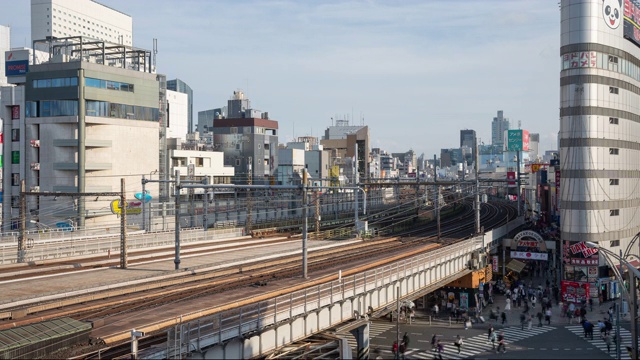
[[519, 124], [331, 121], [155, 51]]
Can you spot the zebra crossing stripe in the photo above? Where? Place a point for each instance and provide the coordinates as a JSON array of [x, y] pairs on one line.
[[597, 341], [477, 344]]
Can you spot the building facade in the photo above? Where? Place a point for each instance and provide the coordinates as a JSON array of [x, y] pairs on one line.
[[499, 126], [77, 127], [87, 18], [599, 126], [182, 87], [177, 114]]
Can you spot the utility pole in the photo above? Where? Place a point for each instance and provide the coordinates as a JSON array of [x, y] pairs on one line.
[[317, 195], [247, 223], [477, 186], [305, 224], [176, 260], [22, 238], [144, 205], [519, 183], [205, 204], [123, 225], [437, 193]]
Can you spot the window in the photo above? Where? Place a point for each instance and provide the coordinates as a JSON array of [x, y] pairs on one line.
[[614, 243], [613, 90], [613, 151], [614, 181], [613, 121], [15, 157], [613, 59], [614, 212], [233, 130], [15, 179], [15, 134], [237, 162]]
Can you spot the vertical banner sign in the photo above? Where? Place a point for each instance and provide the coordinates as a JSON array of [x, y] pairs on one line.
[[15, 112], [464, 300], [495, 263], [557, 189]]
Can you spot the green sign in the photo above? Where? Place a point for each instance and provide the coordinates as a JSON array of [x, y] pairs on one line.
[[514, 140], [15, 157]]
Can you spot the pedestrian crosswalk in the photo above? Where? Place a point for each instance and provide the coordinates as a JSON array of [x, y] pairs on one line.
[[600, 344], [474, 345], [375, 328]]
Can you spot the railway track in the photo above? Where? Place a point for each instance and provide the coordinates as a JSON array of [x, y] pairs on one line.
[[173, 292]]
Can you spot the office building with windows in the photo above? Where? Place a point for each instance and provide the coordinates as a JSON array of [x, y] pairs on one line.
[[180, 86], [78, 126], [599, 127], [499, 126], [87, 18]]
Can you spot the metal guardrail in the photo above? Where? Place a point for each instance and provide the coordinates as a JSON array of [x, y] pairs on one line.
[[256, 317], [105, 244]]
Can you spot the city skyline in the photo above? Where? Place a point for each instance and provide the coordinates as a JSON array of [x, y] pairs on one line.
[[388, 64]]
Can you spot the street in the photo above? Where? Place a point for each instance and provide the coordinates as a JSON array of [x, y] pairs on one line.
[[546, 342]]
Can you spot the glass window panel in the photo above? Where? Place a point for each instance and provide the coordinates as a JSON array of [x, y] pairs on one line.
[[92, 82], [58, 82], [73, 81], [31, 109]]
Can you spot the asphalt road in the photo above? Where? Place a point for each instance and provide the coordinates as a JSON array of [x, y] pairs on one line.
[[560, 341]]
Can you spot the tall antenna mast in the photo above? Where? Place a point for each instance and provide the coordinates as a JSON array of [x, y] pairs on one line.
[[155, 52]]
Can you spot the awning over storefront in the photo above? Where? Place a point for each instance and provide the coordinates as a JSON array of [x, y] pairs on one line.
[[515, 265]]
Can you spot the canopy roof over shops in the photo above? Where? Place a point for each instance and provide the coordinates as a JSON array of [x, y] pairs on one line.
[[515, 265]]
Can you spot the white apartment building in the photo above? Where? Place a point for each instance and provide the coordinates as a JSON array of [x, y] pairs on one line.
[[5, 45], [64, 18], [178, 119]]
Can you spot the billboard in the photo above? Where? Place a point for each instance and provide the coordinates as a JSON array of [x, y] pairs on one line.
[[517, 140], [631, 20], [16, 62]]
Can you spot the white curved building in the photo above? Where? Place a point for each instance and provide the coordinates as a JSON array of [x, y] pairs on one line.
[[600, 122]]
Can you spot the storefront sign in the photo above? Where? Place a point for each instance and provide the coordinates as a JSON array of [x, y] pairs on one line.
[[582, 248], [529, 255], [528, 243], [575, 291], [494, 263], [588, 262], [464, 300]]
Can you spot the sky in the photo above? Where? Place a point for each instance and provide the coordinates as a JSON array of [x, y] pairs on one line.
[[415, 72]]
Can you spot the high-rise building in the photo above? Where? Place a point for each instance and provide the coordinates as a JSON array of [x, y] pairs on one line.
[[499, 125], [249, 140], [468, 139], [182, 87], [77, 127], [87, 18], [599, 125], [5, 45]]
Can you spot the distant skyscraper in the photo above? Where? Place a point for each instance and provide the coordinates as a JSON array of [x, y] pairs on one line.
[[181, 87], [499, 125], [64, 18], [5, 45]]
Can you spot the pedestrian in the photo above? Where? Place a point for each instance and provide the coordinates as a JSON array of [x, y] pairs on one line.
[[401, 349], [435, 310], [458, 343], [507, 305], [501, 344], [539, 316], [434, 342], [601, 327], [489, 332], [607, 340], [608, 327], [547, 316], [523, 318], [610, 312], [405, 339], [504, 317], [394, 349], [533, 301], [493, 337], [529, 321], [440, 349], [583, 313], [591, 304]]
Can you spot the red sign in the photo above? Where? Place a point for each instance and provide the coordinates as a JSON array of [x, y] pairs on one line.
[[575, 292], [582, 248], [511, 175], [15, 112], [528, 243]]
